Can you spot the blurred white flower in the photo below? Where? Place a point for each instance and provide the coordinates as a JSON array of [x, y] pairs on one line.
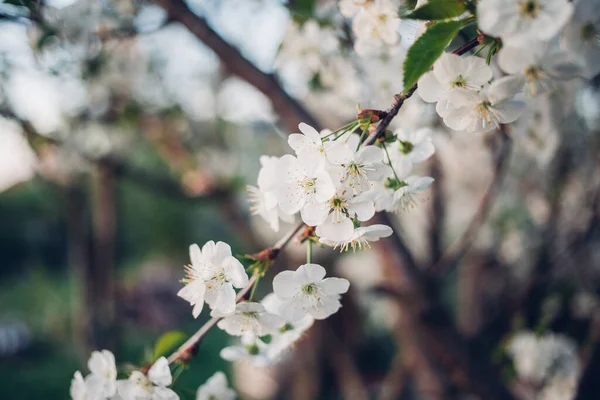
[[17, 159], [581, 36], [215, 388], [515, 20], [151, 387]]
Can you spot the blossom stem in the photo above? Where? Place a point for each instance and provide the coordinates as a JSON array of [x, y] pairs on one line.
[[390, 161], [342, 129], [254, 287], [362, 135], [309, 251]]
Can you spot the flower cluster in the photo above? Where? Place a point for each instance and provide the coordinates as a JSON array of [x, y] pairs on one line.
[[335, 184], [550, 361], [375, 25], [102, 383]]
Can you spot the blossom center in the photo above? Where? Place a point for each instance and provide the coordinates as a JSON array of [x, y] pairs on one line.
[[394, 184], [530, 8], [534, 73], [405, 147], [308, 185], [459, 82], [588, 31]]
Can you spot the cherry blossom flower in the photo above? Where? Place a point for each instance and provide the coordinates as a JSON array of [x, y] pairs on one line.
[[305, 291], [514, 20], [304, 181], [151, 387], [395, 196], [310, 144], [481, 112], [211, 278], [452, 72], [414, 145], [581, 36], [251, 349], [215, 388], [376, 28], [534, 68], [333, 218], [79, 390], [249, 317], [264, 197], [360, 238], [103, 375], [360, 168]]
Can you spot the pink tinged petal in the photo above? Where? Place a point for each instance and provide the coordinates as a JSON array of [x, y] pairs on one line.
[[314, 214], [363, 210], [311, 273], [285, 285], [196, 255], [337, 231], [429, 88], [235, 272], [333, 286], [159, 372], [310, 132]]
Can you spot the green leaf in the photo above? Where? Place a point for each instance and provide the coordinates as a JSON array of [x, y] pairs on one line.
[[167, 342], [427, 49], [437, 10]]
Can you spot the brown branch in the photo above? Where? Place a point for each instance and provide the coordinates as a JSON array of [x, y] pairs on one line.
[[462, 245], [288, 108]]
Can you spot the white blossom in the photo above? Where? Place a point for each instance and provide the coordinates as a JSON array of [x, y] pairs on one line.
[[304, 180], [215, 388], [482, 112], [360, 238], [264, 197], [211, 278], [151, 387], [251, 349], [376, 28], [534, 68], [305, 291], [581, 36], [413, 145], [452, 72], [514, 20], [249, 317], [310, 144]]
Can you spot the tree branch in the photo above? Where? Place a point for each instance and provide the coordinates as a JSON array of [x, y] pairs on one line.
[[462, 245], [288, 108]]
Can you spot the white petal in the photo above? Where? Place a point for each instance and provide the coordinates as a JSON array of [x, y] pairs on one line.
[[310, 132], [236, 272], [159, 372], [429, 88], [196, 255], [315, 214], [333, 286], [285, 284], [311, 273], [337, 231]]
